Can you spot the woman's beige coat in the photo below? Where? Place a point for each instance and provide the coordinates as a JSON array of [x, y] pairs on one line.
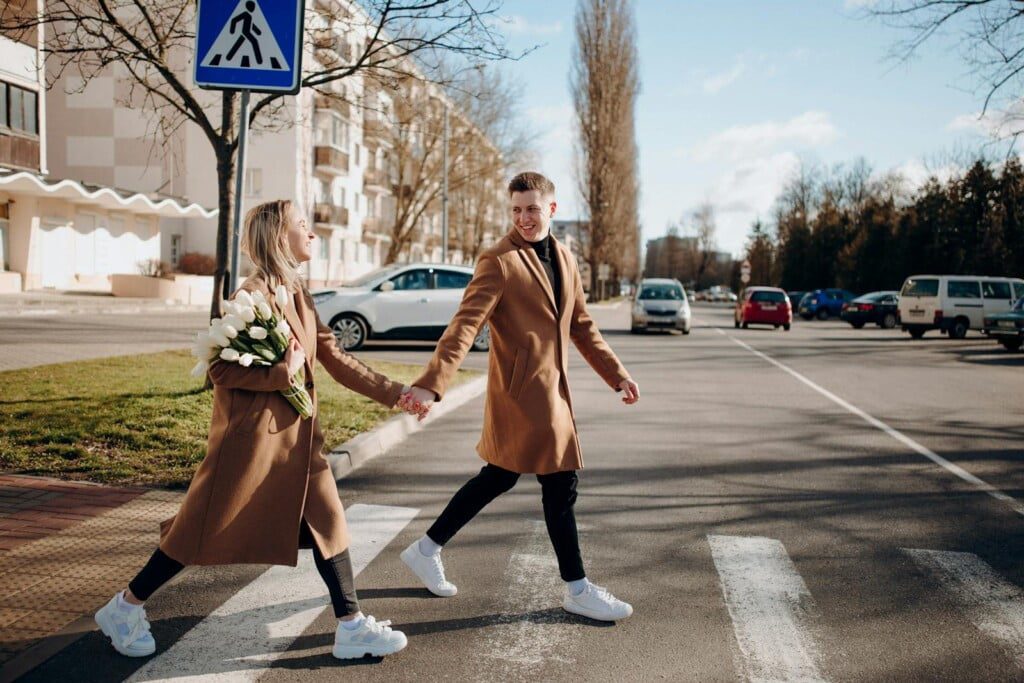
[[529, 424], [264, 471]]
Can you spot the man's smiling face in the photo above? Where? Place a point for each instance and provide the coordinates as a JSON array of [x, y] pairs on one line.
[[532, 211]]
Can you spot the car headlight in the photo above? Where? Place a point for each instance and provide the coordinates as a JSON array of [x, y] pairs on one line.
[[321, 297]]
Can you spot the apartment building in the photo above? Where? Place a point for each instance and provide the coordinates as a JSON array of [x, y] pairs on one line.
[[332, 158], [56, 231]]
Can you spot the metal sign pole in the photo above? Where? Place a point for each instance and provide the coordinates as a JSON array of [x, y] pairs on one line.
[[243, 133], [444, 192]]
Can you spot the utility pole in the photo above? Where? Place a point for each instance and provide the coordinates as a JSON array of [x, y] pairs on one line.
[[444, 192]]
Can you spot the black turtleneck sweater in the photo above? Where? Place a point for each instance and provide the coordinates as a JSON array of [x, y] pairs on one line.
[[545, 250]]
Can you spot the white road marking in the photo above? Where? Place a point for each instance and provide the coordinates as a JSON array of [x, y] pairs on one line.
[[993, 604], [240, 639], [534, 633], [954, 469], [770, 608]]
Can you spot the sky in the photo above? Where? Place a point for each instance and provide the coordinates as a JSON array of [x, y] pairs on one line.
[[735, 94]]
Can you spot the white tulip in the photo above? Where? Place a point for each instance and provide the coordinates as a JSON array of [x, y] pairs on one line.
[[247, 314], [228, 331], [246, 359], [257, 332], [258, 297], [282, 296], [283, 328], [244, 299], [219, 337], [234, 321], [228, 307], [229, 354], [265, 311], [200, 369]]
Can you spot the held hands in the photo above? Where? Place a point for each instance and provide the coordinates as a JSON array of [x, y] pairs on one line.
[[630, 391], [294, 357], [416, 401]]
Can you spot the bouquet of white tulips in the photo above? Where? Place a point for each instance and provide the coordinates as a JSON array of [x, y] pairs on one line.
[[249, 333]]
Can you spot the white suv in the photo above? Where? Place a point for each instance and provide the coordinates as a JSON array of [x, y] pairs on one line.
[[413, 301], [954, 304]]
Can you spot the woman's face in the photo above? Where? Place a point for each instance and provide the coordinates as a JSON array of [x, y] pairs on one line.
[[300, 238]]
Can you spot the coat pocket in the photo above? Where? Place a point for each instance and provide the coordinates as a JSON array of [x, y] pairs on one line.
[[246, 409], [515, 383]]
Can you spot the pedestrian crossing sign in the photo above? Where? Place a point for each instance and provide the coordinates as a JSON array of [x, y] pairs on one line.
[[249, 45]]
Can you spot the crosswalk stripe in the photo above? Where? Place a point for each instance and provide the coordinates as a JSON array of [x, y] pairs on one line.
[[240, 639], [770, 608], [993, 604], [533, 633]]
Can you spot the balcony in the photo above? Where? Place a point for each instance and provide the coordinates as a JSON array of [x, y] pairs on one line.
[[335, 104], [330, 47], [19, 151], [329, 214], [376, 127], [378, 179], [330, 159]]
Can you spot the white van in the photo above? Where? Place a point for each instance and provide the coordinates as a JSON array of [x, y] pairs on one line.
[[954, 304]]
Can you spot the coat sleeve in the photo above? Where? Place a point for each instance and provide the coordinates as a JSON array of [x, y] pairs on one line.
[[592, 346], [253, 378], [482, 294], [349, 371]]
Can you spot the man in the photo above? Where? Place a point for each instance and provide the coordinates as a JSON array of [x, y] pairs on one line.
[[528, 289]]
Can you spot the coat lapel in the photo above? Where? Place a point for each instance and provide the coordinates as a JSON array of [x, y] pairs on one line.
[[529, 256]]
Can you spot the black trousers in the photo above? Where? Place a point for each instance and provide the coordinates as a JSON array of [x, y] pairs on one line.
[[335, 571], [558, 497]]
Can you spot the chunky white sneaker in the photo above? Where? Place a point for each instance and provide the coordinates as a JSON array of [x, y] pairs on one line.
[[597, 603], [429, 570], [374, 638], [128, 630]]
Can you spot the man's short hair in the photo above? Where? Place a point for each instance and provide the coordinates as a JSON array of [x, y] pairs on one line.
[[530, 180]]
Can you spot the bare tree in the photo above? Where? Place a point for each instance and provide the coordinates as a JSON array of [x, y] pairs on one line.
[[605, 84], [152, 43]]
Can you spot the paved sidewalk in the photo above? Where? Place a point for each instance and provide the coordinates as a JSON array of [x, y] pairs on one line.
[[65, 548], [87, 303]]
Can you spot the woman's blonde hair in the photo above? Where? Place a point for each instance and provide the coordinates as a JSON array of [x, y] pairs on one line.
[[265, 242]]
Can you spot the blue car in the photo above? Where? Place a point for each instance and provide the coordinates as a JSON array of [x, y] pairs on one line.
[[824, 303]]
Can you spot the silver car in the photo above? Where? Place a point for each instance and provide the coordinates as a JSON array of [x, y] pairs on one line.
[[660, 304]]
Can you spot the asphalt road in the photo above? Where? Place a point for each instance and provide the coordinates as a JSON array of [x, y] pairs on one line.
[[819, 504]]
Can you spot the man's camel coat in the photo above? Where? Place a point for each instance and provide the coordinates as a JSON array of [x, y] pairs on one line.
[[264, 471], [529, 424]]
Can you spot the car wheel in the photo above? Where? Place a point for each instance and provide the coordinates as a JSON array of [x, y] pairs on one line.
[[482, 341], [916, 334], [634, 330], [686, 330], [806, 316], [776, 327], [1011, 344], [889, 321], [349, 330], [736, 323], [858, 326], [822, 314], [786, 327], [959, 329], [745, 326]]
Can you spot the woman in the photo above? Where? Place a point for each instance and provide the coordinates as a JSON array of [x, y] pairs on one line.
[[264, 489]]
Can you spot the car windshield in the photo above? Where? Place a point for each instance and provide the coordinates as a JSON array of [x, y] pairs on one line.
[[920, 287], [1019, 306], [378, 274], [768, 296], [667, 292]]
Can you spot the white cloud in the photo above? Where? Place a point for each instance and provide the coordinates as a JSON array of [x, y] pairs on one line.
[[519, 25], [717, 82], [746, 192], [859, 4], [810, 129], [994, 124], [915, 173]]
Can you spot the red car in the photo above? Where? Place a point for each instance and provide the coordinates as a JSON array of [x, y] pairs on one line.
[[763, 306]]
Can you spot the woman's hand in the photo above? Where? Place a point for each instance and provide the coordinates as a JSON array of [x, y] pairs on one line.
[[294, 357]]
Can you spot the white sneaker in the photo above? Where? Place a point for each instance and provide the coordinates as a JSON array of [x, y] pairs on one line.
[[597, 603], [128, 630], [374, 638], [429, 570]]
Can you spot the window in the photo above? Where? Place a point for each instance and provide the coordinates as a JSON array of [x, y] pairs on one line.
[[18, 109], [668, 292], [996, 290], [768, 297], [412, 279], [254, 182], [963, 289], [357, 153], [175, 249], [4, 119], [16, 100], [29, 113], [921, 287], [4, 265], [450, 279], [1018, 290], [325, 248]]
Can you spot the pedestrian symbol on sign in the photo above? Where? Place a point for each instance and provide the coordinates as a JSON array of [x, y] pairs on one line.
[[246, 42]]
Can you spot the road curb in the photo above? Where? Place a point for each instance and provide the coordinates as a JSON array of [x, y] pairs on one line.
[[359, 450]]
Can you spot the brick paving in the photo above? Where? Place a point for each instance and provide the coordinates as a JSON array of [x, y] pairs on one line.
[[65, 548]]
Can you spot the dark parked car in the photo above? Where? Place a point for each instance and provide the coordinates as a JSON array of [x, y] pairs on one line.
[[1007, 328], [880, 308], [824, 303], [794, 299]]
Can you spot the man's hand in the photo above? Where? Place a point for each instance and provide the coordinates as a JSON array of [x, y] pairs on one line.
[[630, 391], [417, 401]]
